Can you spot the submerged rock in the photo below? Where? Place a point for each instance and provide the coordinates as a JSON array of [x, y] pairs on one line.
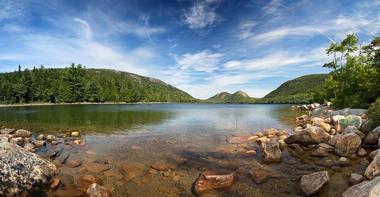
[[210, 182], [260, 175], [355, 178], [271, 151], [347, 144], [365, 189], [311, 183], [21, 170], [132, 170], [310, 135]]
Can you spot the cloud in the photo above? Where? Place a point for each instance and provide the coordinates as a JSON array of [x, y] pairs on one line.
[[86, 27], [245, 29], [203, 61], [273, 6], [202, 14]]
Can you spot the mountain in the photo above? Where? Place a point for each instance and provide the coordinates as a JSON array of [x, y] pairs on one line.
[[299, 90], [225, 97], [77, 84]]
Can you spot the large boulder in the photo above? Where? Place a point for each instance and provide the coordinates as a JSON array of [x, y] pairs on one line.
[[21, 170], [350, 120], [321, 123], [348, 112], [373, 168], [347, 144], [23, 133], [310, 135], [271, 151], [364, 189], [353, 129], [311, 183], [373, 136]]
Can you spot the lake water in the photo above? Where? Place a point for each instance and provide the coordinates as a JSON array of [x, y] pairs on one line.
[[190, 136]]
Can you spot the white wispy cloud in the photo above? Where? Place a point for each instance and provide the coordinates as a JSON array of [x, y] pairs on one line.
[[273, 6], [202, 14], [85, 26], [245, 29], [203, 61]]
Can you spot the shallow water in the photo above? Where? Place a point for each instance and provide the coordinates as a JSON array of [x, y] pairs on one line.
[[191, 136]]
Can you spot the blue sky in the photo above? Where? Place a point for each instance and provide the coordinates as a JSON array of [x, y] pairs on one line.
[[203, 47]]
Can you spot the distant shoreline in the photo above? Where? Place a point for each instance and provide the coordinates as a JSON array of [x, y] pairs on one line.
[[124, 103]]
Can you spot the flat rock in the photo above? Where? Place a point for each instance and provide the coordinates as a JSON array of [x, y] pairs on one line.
[[238, 139], [132, 170], [164, 166], [96, 167], [21, 170], [213, 181], [73, 163], [311, 183], [364, 189], [260, 175]]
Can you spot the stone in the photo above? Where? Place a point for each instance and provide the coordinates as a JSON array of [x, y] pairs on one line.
[[23, 133], [311, 135], [18, 141], [4, 139], [50, 137], [321, 123], [164, 166], [313, 182], [260, 175], [54, 183], [353, 129], [334, 139], [355, 178], [367, 126], [296, 148], [96, 167], [282, 145], [41, 137], [320, 152], [54, 143], [21, 170], [39, 143], [362, 152], [210, 182], [343, 161], [132, 170], [73, 163], [372, 137], [350, 120], [89, 178], [271, 151], [7, 131], [95, 190], [373, 169], [297, 129], [347, 144], [328, 147], [79, 142], [364, 189], [75, 134], [29, 147], [302, 120]]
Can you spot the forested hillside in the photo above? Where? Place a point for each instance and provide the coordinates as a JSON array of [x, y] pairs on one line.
[[77, 84], [225, 97], [300, 90]]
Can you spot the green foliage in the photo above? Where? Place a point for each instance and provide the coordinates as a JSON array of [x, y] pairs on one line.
[[77, 84], [354, 81], [237, 97], [300, 90], [374, 112]]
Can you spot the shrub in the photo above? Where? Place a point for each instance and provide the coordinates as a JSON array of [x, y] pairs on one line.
[[374, 112]]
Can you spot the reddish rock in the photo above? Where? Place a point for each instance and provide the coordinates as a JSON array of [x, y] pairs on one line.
[[210, 182], [55, 183], [73, 163], [260, 175], [313, 182], [133, 170], [164, 166], [238, 139], [96, 167]]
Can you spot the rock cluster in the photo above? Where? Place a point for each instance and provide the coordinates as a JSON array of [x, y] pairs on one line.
[[345, 133]]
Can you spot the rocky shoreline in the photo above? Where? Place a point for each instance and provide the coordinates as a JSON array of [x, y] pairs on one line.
[[323, 142]]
